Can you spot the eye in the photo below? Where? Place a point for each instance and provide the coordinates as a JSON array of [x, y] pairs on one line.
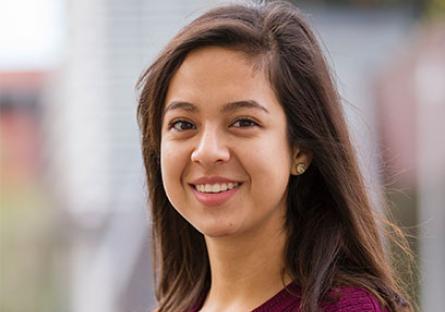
[[245, 123], [181, 125]]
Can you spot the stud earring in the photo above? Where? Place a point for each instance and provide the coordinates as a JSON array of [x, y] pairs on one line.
[[300, 168]]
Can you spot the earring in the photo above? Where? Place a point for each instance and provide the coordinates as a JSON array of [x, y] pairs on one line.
[[300, 168]]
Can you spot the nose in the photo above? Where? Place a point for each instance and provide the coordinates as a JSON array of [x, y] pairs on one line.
[[211, 148]]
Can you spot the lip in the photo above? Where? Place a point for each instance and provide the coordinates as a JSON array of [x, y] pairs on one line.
[[213, 180], [214, 199]]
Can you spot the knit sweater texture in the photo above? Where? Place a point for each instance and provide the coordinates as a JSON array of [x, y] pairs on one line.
[[344, 299]]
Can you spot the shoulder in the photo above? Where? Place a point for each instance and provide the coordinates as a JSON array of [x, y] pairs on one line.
[[353, 299]]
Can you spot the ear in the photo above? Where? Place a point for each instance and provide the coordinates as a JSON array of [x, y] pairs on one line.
[[301, 159]]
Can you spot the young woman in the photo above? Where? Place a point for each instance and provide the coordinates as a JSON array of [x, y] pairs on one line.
[[257, 199]]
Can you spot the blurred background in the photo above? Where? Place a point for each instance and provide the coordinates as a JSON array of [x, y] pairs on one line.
[[74, 227]]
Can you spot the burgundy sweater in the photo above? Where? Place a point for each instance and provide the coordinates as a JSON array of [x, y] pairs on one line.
[[345, 299]]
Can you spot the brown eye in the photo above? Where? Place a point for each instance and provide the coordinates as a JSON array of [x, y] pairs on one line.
[[181, 125], [244, 123]]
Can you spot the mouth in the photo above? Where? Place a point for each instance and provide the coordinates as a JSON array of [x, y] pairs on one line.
[[215, 194], [215, 188]]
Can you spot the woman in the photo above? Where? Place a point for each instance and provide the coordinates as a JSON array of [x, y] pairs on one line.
[[257, 199]]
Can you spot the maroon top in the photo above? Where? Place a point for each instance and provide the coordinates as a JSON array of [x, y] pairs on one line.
[[345, 299]]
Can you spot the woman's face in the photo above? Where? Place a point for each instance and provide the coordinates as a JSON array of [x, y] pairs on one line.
[[225, 158]]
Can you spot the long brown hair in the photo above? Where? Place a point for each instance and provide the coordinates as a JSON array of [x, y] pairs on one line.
[[333, 238]]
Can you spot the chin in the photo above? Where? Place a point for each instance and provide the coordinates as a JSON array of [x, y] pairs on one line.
[[218, 231]]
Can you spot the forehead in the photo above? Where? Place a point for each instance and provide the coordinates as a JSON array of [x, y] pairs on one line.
[[221, 56], [220, 75]]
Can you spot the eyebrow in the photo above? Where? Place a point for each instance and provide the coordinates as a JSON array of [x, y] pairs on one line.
[[233, 106], [181, 105], [228, 107]]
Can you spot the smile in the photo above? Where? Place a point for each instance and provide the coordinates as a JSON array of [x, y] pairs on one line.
[[215, 194], [216, 188]]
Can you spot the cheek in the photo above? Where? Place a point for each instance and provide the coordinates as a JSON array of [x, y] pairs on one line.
[[270, 153], [269, 164], [172, 166]]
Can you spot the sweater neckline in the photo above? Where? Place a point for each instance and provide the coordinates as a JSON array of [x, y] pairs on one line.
[[291, 290]]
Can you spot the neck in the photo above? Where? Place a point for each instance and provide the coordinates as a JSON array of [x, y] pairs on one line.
[[246, 271]]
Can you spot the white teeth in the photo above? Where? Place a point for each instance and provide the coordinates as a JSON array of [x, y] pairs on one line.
[[216, 188]]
